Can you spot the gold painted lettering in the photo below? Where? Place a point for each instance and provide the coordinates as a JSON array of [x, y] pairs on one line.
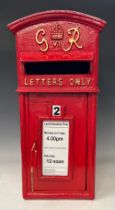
[[44, 45], [77, 81], [26, 82], [48, 81], [83, 82], [71, 82], [60, 81], [31, 82], [37, 81], [74, 38], [54, 81], [88, 81], [43, 81]]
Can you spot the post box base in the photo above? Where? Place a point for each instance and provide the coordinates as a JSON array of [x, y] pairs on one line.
[[62, 195]]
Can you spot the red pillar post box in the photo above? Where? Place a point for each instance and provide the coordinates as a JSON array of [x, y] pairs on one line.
[[57, 68]]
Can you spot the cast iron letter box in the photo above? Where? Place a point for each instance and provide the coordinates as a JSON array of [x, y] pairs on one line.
[[57, 68]]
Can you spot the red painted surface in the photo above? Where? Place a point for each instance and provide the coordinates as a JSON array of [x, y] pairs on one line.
[[76, 94]]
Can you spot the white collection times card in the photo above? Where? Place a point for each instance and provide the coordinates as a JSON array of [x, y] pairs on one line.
[[55, 144]]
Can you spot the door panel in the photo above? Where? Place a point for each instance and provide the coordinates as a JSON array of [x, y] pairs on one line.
[[74, 111]]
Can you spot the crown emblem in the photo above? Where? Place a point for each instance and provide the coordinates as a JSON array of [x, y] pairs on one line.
[[57, 34]]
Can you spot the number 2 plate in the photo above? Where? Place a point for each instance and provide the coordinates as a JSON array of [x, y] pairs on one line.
[[56, 110]]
